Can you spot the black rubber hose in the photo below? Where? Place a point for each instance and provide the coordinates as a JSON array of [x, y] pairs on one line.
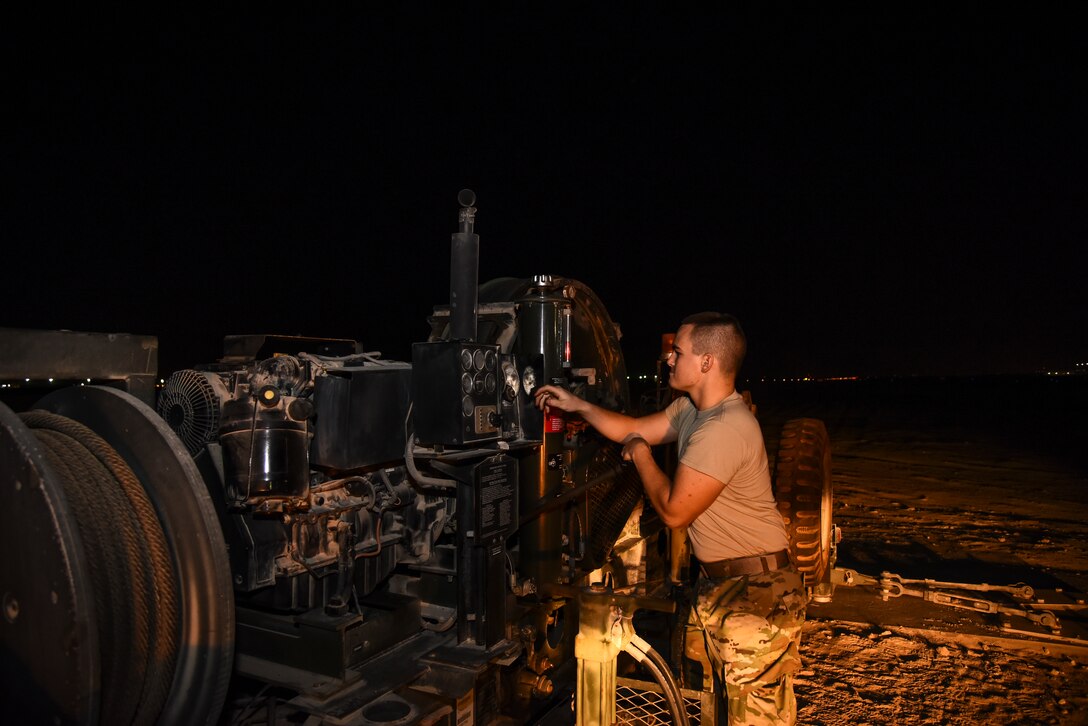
[[659, 669], [669, 684], [410, 463]]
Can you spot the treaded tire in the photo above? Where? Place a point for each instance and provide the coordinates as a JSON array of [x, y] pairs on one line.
[[803, 491]]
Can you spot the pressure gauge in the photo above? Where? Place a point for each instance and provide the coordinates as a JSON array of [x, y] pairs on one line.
[[528, 379], [511, 382]]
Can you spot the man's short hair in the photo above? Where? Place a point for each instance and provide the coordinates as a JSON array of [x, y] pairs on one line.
[[720, 335]]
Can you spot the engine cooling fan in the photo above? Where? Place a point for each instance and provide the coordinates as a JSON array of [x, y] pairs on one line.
[[189, 403]]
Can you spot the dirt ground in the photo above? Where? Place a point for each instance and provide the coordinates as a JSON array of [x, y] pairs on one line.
[[956, 482]]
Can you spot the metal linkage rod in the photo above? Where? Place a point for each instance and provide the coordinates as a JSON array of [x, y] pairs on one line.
[[892, 585]]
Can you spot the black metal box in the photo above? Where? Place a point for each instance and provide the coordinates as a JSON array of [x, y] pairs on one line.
[[455, 392], [360, 415]]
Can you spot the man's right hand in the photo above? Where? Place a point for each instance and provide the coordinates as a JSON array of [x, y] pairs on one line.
[[556, 397]]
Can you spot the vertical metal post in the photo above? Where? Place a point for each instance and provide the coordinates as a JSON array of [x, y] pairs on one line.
[[464, 271], [603, 629], [537, 347]]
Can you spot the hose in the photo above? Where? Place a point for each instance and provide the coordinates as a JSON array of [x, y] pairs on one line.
[[641, 651], [410, 462], [410, 459]]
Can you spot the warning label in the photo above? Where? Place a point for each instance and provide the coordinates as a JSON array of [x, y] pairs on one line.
[[553, 423], [496, 498]]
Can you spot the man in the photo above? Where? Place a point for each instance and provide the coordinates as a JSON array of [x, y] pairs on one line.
[[750, 601]]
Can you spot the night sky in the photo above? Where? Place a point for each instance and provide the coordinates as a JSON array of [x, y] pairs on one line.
[[897, 192]]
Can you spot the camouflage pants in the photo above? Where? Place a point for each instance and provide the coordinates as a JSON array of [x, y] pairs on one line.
[[752, 628]]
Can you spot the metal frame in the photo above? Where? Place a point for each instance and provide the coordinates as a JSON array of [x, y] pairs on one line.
[[65, 355]]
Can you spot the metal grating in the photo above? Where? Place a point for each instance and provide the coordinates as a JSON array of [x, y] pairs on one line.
[[642, 703]]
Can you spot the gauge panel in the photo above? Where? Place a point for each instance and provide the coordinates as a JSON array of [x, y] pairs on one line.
[[456, 392]]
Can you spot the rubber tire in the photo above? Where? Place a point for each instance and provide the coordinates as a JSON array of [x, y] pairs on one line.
[[803, 490]]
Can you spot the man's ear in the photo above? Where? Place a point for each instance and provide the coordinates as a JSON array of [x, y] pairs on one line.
[[706, 364]]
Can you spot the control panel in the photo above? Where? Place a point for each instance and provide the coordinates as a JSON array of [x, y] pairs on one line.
[[457, 389]]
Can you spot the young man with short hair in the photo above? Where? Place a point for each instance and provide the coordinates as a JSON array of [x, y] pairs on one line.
[[750, 601]]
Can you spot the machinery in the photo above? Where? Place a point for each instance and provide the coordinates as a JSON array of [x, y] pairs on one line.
[[306, 528], [349, 539], [304, 522]]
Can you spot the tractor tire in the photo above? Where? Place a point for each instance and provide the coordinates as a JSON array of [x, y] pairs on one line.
[[803, 491]]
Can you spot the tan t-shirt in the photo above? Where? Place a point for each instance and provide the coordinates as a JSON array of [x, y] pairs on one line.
[[725, 442]]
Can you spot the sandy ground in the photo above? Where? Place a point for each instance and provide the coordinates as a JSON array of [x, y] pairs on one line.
[[956, 496]]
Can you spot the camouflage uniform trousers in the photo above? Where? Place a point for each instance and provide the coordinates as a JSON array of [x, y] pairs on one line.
[[752, 628]]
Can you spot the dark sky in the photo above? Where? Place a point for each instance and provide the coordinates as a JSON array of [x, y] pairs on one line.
[[893, 192]]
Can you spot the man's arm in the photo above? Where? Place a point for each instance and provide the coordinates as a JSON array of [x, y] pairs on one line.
[[679, 501], [655, 428]]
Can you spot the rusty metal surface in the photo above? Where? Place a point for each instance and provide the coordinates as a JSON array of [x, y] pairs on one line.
[[68, 355], [47, 597]]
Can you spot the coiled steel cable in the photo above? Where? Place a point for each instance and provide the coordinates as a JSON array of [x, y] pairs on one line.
[[132, 573]]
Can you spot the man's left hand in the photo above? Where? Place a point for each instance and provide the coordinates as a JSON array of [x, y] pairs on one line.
[[631, 443]]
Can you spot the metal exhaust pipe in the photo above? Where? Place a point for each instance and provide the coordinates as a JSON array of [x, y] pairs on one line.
[[464, 271]]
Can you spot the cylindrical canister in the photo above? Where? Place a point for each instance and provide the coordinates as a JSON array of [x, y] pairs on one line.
[[265, 456]]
